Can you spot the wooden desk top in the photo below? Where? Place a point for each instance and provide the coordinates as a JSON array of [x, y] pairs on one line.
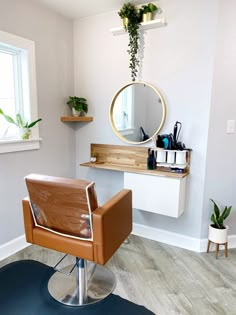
[[131, 159], [124, 168]]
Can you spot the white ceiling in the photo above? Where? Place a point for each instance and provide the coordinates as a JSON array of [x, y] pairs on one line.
[[75, 9]]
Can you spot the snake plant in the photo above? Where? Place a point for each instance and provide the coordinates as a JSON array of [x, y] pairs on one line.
[[218, 217]]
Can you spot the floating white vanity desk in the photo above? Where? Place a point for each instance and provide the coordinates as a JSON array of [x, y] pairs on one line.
[[158, 191]]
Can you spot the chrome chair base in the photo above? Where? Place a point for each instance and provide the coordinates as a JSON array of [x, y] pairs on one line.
[[83, 286]]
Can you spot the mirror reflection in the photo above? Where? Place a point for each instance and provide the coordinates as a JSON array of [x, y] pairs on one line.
[[137, 112]]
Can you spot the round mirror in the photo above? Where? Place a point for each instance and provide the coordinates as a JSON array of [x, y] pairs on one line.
[[137, 112]]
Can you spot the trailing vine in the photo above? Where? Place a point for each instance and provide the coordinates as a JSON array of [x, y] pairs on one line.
[[133, 15]]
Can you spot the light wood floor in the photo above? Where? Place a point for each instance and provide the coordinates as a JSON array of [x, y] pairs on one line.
[[165, 279]]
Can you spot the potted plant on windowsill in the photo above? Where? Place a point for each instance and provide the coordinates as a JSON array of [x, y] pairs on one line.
[[218, 231], [24, 127], [131, 20], [78, 105], [147, 11]]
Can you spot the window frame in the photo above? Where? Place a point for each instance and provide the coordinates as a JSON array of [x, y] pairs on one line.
[[127, 109], [13, 145]]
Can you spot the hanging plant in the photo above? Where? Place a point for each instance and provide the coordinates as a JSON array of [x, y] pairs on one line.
[[132, 18]]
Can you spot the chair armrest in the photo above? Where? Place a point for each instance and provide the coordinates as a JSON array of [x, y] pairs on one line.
[[28, 220], [112, 224]]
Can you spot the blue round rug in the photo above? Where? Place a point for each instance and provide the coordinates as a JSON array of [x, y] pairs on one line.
[[23, 291]]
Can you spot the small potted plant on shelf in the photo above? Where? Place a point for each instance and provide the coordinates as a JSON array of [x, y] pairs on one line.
[[218, 231], [129, 13], [131, 20], [93, 157], [23, 126], [147, 11], [78, 105]]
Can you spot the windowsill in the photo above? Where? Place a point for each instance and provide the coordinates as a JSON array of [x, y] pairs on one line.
[[126, 131], [7, 146]]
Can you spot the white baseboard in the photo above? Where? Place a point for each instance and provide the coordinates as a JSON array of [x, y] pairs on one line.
[[170, 238], [175, 239], [12, 247]]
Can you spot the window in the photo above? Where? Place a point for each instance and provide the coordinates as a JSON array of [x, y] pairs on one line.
[[17, 90], [124, 112]]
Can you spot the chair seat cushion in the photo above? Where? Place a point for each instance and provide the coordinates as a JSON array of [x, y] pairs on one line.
[[64, 244]]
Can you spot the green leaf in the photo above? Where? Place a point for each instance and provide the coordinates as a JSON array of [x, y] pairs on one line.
[[226, 212], [33, 123], [8, 118], [220, 221], [216, 209], [152, 7], [213, 219], [19, 121]]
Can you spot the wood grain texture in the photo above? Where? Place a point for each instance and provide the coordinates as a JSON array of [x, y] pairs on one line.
[[127, 159], [74, 119], [165, 279], [61, 204]]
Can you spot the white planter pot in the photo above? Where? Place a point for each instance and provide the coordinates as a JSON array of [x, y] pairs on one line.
[[219, 236], [93, 159], [24, 133], [75, 113]]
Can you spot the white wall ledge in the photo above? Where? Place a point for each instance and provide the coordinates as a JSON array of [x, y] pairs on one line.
[[7, 146], [144, 26]]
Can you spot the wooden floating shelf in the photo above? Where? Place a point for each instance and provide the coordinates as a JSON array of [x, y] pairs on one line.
[[76, 119], [144, 26], [121, 168], [127, 159]]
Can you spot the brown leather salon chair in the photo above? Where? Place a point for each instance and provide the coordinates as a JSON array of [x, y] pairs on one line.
[[63, 215]]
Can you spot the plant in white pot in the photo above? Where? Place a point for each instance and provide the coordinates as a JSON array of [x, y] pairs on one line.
[[93, 157], [218, 231], [23, 126], [78, 105]]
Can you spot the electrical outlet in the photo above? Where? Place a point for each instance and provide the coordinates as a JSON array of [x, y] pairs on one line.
[[230, 126]]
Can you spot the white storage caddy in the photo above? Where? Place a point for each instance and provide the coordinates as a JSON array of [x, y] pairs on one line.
[[171, 158]]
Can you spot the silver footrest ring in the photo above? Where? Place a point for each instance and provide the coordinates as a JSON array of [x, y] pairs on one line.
[[66, 288]]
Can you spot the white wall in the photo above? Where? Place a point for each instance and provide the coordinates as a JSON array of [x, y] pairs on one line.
[[182, 60], [53, 36], [220, 182], [178, 60]]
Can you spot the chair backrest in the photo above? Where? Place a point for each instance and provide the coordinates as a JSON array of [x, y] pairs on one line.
[[62, 205]]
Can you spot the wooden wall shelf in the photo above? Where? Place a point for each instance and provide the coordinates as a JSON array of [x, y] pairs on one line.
[[76, 119], [130, 169], [127, 159], [144, 26]]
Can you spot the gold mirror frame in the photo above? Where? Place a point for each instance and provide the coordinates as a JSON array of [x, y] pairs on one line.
[[112, 107]]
